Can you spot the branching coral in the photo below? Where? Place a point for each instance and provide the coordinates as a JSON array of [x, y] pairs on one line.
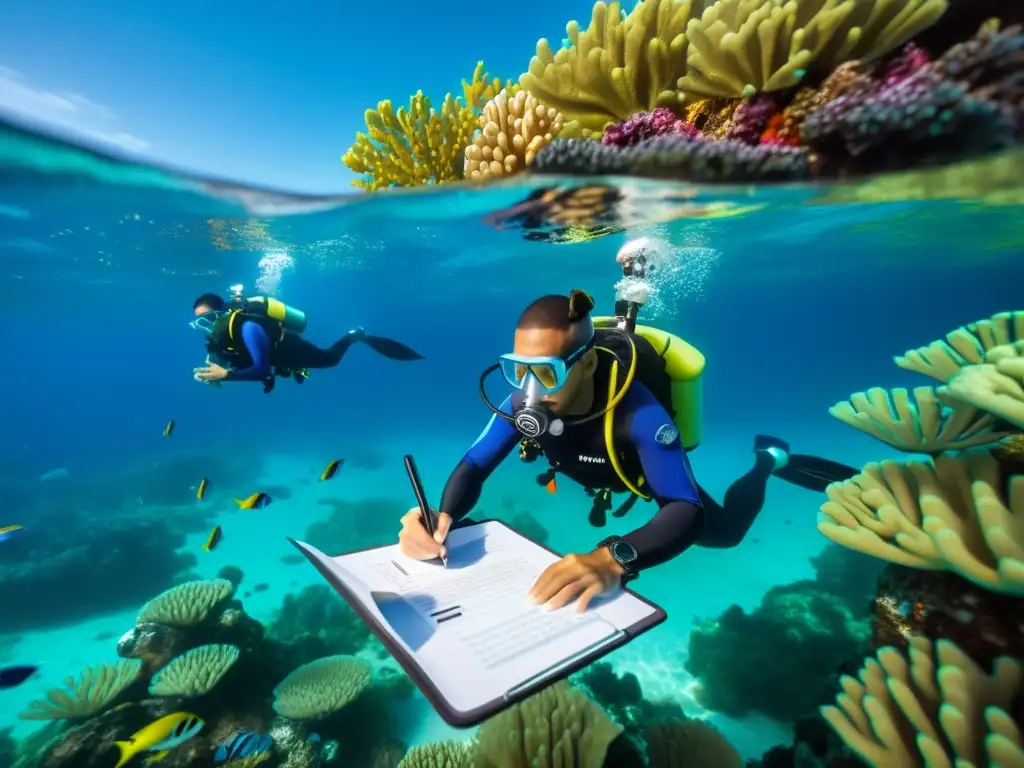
[[195, 672], [996, 387], [938, 709], [187, 604], [674, 157], [617, 66], [420, 145], [512, 130], [321, 687], [950, 514], [964, 346], [922, 426], [741, 47], [94, 689], [559, 727]]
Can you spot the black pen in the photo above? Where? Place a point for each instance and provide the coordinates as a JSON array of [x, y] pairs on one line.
[[421, 498]]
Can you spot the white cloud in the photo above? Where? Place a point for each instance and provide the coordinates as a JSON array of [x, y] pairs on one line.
[[70, 112]]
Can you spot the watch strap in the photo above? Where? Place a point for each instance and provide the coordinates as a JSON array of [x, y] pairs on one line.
[[629, 569]]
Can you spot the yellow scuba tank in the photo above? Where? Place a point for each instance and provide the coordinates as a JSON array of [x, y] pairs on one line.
[[290, 318], [684, 365]]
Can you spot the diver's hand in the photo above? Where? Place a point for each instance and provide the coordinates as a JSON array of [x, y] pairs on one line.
[[415, 542], [212, 372], [577, 577]]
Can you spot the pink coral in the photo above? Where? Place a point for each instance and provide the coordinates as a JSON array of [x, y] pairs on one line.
[[911, 60], [751, 118], [646, 125]]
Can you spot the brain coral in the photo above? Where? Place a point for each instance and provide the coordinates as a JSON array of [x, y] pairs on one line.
[[187, 604], [321, 687]]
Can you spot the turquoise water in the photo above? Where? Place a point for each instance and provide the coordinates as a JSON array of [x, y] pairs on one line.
[[795, 301]]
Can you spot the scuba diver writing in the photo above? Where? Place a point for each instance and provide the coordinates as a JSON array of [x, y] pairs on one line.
[[613, 406], [257, 339]]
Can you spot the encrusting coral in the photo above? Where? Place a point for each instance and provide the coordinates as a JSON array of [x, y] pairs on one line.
[[321, 687], [930, 424], [95, 688], [742, 47], [948, 514], [420, 145], [938, 709], [621, 64], [512, 130], [195, 672]]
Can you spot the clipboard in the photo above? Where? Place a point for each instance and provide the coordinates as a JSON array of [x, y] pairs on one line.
[[465, 678]]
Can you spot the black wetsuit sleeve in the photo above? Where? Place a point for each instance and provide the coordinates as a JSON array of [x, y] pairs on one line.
[[465, 484], [680, 517]]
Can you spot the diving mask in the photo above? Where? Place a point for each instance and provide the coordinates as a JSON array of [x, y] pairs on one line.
[[206, 321]]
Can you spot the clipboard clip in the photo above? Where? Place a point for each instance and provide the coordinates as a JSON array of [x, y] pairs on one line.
[[556, 669]]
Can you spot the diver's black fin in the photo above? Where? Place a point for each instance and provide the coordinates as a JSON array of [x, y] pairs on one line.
[[625, 506], [391, 349], [813, 472]]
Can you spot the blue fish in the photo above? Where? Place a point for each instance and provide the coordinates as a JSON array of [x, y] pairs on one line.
[[313, 738], [241, 745], [8, 531], [12, 677]]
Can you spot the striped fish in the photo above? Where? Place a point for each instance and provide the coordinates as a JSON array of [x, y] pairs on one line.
[[241, 745]]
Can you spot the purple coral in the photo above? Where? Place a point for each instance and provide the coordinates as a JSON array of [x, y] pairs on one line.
[[675, 157], [910, 61], [966, 103], [646, 125], [751, 118]]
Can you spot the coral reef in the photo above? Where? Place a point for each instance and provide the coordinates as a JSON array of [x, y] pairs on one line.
[[420, 145], [512, 130], [689, 743], [440, 754], [94, 690], [195, 672], [187, 604], [647, 125], [934, 708], [804, 636], [315, 623], [620, 65], [372, 520], [321, 687], [743, 47]]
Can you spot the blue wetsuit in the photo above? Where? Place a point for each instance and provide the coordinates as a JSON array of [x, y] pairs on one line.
[[257, 346], [650, 446]]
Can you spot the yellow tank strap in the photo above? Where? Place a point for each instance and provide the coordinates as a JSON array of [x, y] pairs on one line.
[[231, 323], [609, 426]]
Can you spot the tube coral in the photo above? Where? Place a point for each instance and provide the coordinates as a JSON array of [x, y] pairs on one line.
[[742, 47], [512, 130], [674, 157], [618, 66], [419, 145]]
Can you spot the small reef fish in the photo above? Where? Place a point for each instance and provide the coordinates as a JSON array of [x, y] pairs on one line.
[[256, 501], [201, 490], [213, 539], [331, 470], [169, 428], [241, 745], [160, 736], [12, 677], [54, 474], [9, 530]]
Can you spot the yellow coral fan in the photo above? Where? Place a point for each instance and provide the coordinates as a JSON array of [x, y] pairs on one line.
[[929, 424], [966, 345], [618, 66], [419, 145], [938, 710], [953, 514], [513, 129], [741, 47], [996, 387]]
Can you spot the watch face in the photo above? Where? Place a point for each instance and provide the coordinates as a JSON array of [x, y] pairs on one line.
[[624, 552]]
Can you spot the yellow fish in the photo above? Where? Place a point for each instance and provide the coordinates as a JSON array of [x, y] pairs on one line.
[[201, 492], [169, 428], [213, 539], [331, 470], [256, 501], [160, 736]]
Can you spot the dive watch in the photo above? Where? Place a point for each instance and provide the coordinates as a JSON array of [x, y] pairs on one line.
[[624, 554]]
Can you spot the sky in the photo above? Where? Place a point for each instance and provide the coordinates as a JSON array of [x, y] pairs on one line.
[[251, 92]]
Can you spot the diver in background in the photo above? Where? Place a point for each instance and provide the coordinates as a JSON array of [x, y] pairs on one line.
[[257, 339], [595, 400]]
